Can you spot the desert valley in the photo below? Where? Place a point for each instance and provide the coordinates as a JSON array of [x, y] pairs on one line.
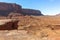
[[17, 23]]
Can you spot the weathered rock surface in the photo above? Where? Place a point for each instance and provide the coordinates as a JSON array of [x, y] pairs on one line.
[[34, 28], [40, 27], [8, 24], [14, 15]]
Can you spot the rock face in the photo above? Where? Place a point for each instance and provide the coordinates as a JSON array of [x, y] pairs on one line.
[[31, 12], [6, 8]]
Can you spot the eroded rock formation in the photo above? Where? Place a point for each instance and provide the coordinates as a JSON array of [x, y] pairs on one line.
[[8, 24]]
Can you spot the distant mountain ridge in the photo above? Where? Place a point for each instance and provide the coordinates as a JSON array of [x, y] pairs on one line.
[[31, 12], [58, 14]]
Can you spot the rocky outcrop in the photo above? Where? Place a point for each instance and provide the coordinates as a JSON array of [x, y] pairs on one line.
[[31, 12], [14, 15], [6, 8], [8, 24]]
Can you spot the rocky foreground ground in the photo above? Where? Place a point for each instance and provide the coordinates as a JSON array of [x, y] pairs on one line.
[[45, 34], [31, 28]]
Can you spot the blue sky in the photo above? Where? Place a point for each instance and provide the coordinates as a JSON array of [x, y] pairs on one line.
[[47, 7]]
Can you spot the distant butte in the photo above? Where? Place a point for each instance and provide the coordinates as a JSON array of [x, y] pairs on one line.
[[7, 8]]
